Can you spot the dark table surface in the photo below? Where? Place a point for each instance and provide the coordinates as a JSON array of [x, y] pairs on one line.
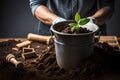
[[108, 74]]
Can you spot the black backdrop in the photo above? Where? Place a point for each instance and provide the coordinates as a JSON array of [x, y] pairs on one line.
[[16, 19]]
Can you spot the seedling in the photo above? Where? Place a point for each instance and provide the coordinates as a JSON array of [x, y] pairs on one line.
[[75, 26]]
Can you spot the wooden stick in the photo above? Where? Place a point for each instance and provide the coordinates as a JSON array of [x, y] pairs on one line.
[[44, 39], [22, 44]]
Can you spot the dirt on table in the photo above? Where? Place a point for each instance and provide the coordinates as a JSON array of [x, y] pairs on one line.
[[44, 67]]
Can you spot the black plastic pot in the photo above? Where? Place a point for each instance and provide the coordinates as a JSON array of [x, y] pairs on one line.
[[71, 49]]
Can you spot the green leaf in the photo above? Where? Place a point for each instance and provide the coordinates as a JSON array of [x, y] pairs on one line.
[[73, 29], [84, 21], [77, 17], [77, 27], [72, 24]]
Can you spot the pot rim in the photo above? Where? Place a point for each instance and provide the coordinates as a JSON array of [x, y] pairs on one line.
[[61, 33]]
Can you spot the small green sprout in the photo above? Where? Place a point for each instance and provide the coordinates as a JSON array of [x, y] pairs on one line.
[[75, 26]]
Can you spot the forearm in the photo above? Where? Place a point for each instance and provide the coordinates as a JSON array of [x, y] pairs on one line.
[[102, 15], [43, 14]]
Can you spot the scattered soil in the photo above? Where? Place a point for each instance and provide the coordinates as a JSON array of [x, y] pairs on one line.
[[45, 67], [81, 30]]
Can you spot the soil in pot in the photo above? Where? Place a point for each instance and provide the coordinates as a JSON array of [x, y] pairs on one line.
[[81, 30]]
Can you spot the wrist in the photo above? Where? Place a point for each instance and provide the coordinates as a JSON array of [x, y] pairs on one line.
[[58, 19], [92, 20]]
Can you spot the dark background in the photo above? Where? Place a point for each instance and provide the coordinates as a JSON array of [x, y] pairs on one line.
[[16, 19]]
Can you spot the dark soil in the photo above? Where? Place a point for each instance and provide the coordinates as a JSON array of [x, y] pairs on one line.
[[81, 30], [45, 67]]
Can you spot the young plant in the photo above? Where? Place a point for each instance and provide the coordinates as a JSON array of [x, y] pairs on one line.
[[75, 26]]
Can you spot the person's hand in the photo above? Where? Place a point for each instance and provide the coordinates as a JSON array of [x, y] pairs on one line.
[[92, 20], [59, 19]]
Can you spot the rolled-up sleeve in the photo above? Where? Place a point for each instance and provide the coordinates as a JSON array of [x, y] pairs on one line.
[[35, 3]]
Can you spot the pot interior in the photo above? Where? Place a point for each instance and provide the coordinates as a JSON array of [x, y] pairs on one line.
[[61, 25]]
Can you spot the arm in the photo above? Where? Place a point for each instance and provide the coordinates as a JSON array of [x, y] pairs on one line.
[[43, 14], [105, 12], [102, 15]]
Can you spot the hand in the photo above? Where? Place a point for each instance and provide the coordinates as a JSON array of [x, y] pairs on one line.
[[59, 19], [92, 20]]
